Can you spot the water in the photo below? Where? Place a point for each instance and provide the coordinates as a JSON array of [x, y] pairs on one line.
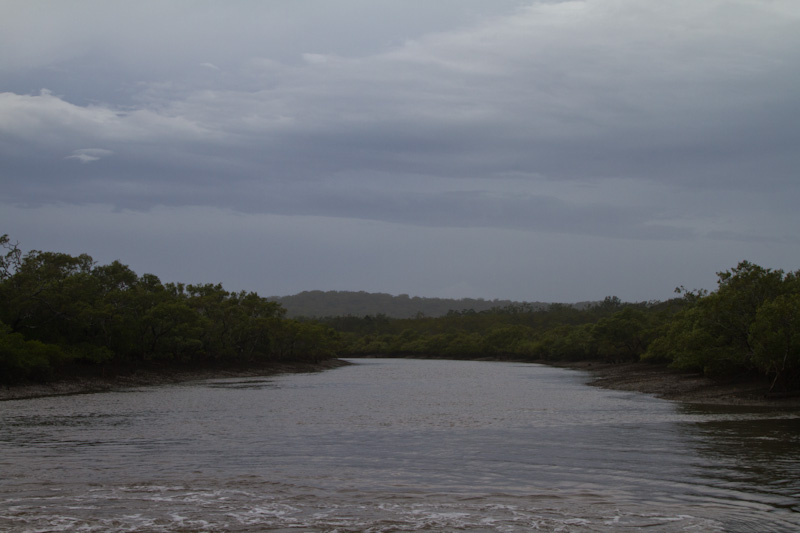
[[395, 445]]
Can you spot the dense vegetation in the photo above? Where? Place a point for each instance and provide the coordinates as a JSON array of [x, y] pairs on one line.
[[609, 330], [60, 313], [748, 327]]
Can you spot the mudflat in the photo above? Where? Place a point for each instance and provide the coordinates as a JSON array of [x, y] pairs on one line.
[[663, 382], [657, 380], [117, 380]]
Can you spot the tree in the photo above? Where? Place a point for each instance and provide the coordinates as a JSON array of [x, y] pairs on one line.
[[563, 343], [302, 341], [775, 337], [507, 340], [623, 335], [733, 308], [258, 322], [110, 312], [39, 298], [713, 333], [22, 359], [56, 309], [11, 260]]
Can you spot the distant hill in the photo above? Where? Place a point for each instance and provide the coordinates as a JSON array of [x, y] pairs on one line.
[[318, 304]]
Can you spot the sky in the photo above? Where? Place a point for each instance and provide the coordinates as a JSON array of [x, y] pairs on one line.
[[527, 150]]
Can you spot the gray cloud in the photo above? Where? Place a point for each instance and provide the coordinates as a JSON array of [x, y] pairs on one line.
[[642, 121], [87, 155]]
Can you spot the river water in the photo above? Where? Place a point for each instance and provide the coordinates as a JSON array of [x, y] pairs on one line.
[[395, 445]]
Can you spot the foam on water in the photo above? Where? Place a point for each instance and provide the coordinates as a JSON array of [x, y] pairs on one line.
[[390, 445], [154, 508]]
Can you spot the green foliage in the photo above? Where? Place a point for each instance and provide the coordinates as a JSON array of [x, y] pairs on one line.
[[21, 359], [519, 332], [564, 343], [502, 340], [747, 326], [61, 309], [688, 344], [775, 337], [57, 309], [622, 336]]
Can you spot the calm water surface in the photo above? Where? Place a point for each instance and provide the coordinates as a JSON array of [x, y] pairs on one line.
[[395, 445]]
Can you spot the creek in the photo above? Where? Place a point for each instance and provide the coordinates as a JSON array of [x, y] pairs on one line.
[[395, 445]]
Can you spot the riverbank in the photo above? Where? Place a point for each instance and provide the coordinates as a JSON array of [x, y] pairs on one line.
[[663, 382], [119, 379], [657, 380]]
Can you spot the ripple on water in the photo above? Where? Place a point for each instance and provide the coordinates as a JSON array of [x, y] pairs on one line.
[[391, 445], [275, 506]]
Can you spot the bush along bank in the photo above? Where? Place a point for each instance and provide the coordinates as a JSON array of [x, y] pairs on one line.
[[748, 328], [62, 315]]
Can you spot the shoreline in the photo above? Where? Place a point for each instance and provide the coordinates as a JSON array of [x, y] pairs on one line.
[[662, 382], [148, 377], [665, 383], [652, 379]]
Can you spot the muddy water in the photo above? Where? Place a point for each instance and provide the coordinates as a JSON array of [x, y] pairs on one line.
[[395, 445]]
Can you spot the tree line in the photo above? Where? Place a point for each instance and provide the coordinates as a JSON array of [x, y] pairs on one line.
[[748, 327], [60, 312]]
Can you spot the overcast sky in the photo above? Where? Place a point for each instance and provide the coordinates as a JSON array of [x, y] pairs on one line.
[[530, 150]]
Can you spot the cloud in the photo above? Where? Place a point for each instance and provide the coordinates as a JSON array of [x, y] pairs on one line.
[[279, 254], [682, 98], [50, 120], [462, 146], [87, 155], [315, 59]]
